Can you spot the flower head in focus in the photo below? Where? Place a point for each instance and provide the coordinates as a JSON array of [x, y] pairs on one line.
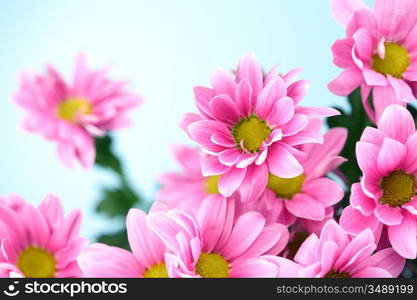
[[217, 243], [386, 195], [251, 124], [379, 53], [71, 114], [38, 242]]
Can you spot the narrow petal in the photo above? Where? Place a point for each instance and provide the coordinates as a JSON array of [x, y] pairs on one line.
[[246, 230], [282, 163], [231, 180], [346, 82], [249, 68], [390, 156]]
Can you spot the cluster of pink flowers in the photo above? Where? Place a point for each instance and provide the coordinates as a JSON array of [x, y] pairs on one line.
[[257, 197]]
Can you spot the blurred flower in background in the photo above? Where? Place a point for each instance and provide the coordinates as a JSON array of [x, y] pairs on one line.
[[71, 114]]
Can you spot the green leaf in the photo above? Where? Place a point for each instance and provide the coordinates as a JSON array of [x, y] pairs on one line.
[[105, 157], [115, 202], [117, 239]]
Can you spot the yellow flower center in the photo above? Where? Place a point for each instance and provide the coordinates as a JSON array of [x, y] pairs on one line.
[[398, 188], [211, 184], [250, 133], [395, 62], [296, 242], [334, 274], [156, 271], [211, 265], [71, 108], [35, 262], [285, 187]]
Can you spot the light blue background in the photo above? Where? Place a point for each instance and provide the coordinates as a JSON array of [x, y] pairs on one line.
[[164, 48]]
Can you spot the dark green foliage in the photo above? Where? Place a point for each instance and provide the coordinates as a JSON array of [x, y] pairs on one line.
[[118, 239], [355, 121], [115, 201]]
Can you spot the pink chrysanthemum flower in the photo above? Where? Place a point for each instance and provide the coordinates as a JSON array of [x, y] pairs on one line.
[[217, 243], [379, 52], [250, 125], [38, 242], [185, 190], [311, 193], [336, 255], [387, 192], [71, 114], [146, 259]]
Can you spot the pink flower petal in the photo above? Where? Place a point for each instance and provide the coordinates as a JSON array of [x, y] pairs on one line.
[[395, 18], [389, 215], [256, 268], [274, 90], [282, 113], [306, 254], [360, 201], [231, 180], [146, 246], [69, 228], [402, 90], [243, 97], [362, 18], [342, 10], [390, 156], [364, 44], [324, 190], [287, 268], [372, 272], [403, 237], [346, 82], [386, 259], [411, 206], [342, 53], [202, 97], [374, 78], [354, 222], [305, 206], [410, 159], [397, 123], [211, 166], [360, 248], [384, 96], [282, 163], [272, 240], [246, 230], [223, 108], [254, 183], [366, 155], [249, 68], [297, 90], [229, 157], [297, 123], [211, 217], [328, 256], [223, 83]]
